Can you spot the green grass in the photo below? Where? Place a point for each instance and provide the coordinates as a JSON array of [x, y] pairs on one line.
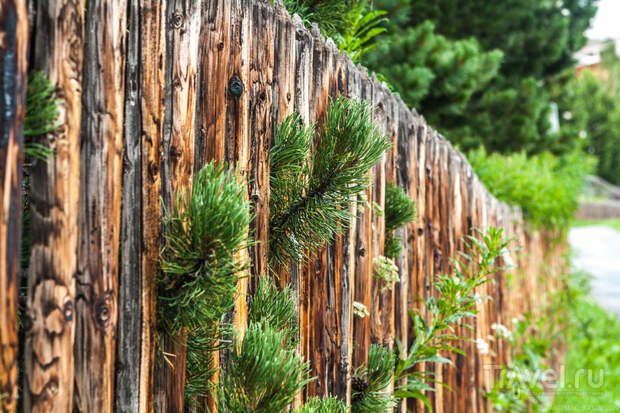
[[593, 351], [613, 223]]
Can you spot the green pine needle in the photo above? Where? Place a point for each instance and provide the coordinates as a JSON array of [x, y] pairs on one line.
[[326, 405], [376, 397], [276, 308], [311, 193], [41, 114], [261, 375], [399, 210]]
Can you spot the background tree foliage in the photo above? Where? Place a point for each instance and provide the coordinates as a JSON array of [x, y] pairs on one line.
[[482, 65]]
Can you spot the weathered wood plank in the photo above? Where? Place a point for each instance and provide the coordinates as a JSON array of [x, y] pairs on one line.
[[343, 388], [152, 77], [100, 206], [130, 372], [338, 306], [183, 44], [318, 267], [363, 252], [261, 101], [406, 177], [13, 65], [302, 80], [48, 353]]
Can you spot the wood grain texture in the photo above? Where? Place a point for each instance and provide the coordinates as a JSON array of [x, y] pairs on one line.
[[13, 65], [363, 252], [100, 206], [316, 270], [49, 359], [377, 329], [183, 19], [130, 372], [151, 78]]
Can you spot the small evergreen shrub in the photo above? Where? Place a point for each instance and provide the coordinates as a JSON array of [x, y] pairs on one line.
[[399, 210], [311, 193]]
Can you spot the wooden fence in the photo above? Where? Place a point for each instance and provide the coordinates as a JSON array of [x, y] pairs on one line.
[[150, 91]]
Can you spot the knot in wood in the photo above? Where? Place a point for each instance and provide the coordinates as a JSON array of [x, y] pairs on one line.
[[67, 310], [177, 20], [420, 231], [235, 86], [361, 252], [103, 311], [428, 172], [340, 83]]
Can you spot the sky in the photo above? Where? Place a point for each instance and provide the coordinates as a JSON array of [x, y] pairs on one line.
[[606, 23]]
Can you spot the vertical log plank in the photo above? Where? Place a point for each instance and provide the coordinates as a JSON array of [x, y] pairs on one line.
[[316, 270], [406, 177], [338, 300], [377, 328], [304, 44], [48, 353], [152, 77], [263, 35], [13, 65], [183, 20], [363, 253], [100, 207], [343, 390], [130, 370], [238, 149]]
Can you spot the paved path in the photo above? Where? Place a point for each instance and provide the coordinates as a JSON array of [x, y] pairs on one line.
[[597, 251]]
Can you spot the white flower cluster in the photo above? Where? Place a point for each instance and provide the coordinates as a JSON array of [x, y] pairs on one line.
[[483, 346], [360, 309], [386, 270], [501, 331]]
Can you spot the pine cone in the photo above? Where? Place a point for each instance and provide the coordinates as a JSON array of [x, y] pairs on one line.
[[359, 384]]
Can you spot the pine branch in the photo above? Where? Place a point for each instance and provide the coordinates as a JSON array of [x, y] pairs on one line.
[[399, 210], [197, 283], [262, 375], [276, 308], [370, 392], [326, 405], [312, 193]]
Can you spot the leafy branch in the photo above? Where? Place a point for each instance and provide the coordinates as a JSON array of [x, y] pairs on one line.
[[455, 300]]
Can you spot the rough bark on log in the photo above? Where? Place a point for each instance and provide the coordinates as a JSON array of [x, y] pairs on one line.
[[151, 78], [49, 361], [13, 65], [130, 371], [183, 44], [100, 207]]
